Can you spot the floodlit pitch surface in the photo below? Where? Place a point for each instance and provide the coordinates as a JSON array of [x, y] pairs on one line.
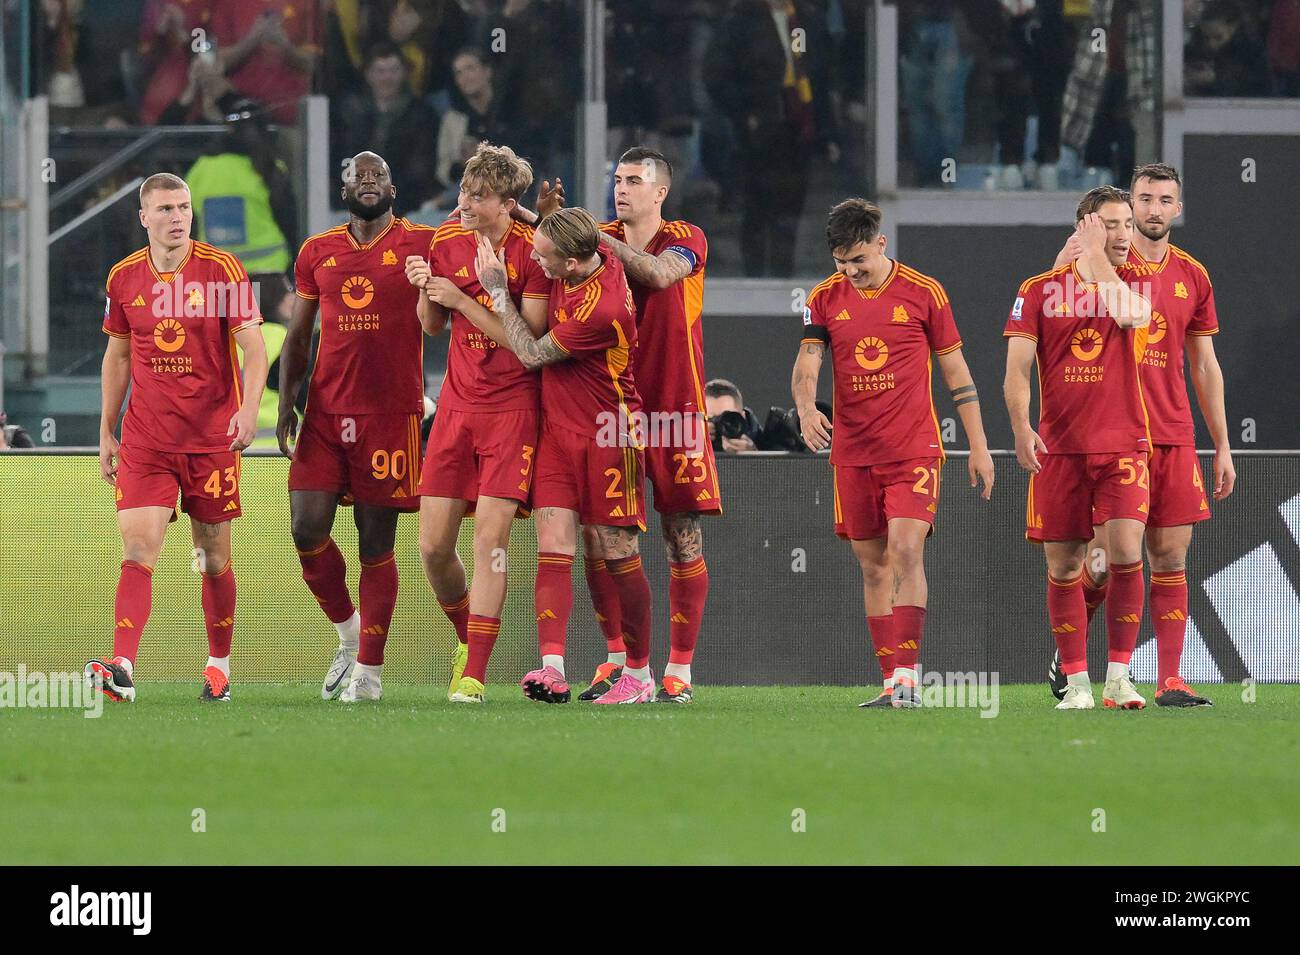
[[281, 777]]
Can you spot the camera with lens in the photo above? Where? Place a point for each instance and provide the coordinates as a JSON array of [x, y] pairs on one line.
[[781, 431]]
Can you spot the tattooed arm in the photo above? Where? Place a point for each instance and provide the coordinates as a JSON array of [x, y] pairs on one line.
[[502, 323], [656, 271], [803, 386]]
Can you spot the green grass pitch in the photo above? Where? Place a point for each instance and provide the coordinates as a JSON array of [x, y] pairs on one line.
[[283, 777]]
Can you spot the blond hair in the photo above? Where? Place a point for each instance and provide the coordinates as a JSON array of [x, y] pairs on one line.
[[574, 232], [161, 180], [500, 170]]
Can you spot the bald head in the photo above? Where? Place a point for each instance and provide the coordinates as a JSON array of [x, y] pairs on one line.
[[368, 189]]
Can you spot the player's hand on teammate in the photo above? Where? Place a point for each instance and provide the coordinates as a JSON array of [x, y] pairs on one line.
[[1070, 251], [108, 457], [443, 291], [1225, 474], [490, 265], [286, 431], [1028, 447], [549, 199], [243, 425], [1091, 233], [816, 430], [418, 272], [980, 465]]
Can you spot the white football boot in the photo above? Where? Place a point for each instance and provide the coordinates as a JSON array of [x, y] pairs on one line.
[[363, 686], [1121, 694], [336, 680], [1077, 698]]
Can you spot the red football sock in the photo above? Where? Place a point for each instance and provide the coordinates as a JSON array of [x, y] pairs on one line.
[[882, 638], [553, 601], [604, 600], [1068, 616], [326, 575], [1169, 616], [378, 593], [131, 608], [908, 625], [482, 638], [1127, 594], [457, 612], [688, 588], [634, 598], [1094, 594], [219, 610]]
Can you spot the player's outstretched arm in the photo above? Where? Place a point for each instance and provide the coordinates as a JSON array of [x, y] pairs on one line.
[[657, 271], [243, 423], [1020, 363], [115, 376], [293, 369], [1069, 252], [813, 424], [966, 399], [1207, 379]]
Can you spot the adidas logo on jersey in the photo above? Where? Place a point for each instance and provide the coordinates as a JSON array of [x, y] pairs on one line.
[[1143, 507], [843, 316], [399, 493], [139, 301], [126, 623], [329, 263], [679, 617], [702, 496], [230, 506], [462, 272], [547, 615], [1065, 628], [1129, 618], [617, 512], [1173, 615], [390, 257]]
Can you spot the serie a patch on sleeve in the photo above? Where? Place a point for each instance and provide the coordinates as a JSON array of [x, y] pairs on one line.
[[1018, 308], [807, 315]]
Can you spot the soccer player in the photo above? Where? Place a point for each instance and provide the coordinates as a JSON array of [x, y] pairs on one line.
[[665, 263], [881, 321], [481, 449], [1183, 319], [360, 437], [1087, 329], [175, 311], [590, 458]]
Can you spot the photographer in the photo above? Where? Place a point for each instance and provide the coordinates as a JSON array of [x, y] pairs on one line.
[[732, 426]]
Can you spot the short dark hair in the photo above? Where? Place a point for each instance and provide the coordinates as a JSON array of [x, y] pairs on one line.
[[476, 52], [1156, 172], [382, 51], [721, 388], [851, 222], [643, 154], [1097, 197]]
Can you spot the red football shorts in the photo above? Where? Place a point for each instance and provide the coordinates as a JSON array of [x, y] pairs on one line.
[[603, 484], [1073, 490], [208, 484], [868, 497], [490, 453], [1177, 488], [372, 458], [685, 479]]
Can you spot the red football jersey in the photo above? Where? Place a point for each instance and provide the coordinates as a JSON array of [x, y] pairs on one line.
[[185, 377], [1182, 304], [595, 323], [1090, 397], [669, 356], [481, 376], [880, 344], [371, 354]]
